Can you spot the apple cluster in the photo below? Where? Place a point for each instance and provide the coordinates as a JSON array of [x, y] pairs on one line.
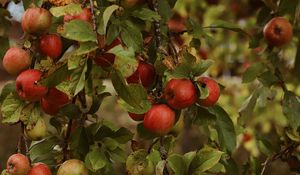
[[19, 164]]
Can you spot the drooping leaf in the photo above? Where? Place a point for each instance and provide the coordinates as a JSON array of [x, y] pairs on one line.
[[79, 30], [177, 164], [291, 109], [95, 160], [229, 26], [11, 109], [131, 36], [105, 18]]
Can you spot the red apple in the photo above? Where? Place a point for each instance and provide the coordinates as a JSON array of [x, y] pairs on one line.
[[160, 119], [16, 60], [136, 117], [246, 137], [278, 31], [53, 101], [51, 45], [27, 85], [36, 20], [85, 15], [38, 131], [176, 23], [18, 164], [39, 169], [213, 89], [145, 73], [72, 167], [180, 93], [203, 54], [106, 59]]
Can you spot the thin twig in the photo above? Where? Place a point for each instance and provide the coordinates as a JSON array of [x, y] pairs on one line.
[[66, 140], [93, 18], [151, 146]]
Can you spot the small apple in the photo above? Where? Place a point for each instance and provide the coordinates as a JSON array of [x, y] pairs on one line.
[[18, 164], [180, 93], [85, 15], [36, 20], [51, 45], [27, 85], [136, 117], [160, 119], [39, 169], [246, 137], [38, 131], [53, 101], [203, 54], [213, 89], [72, 167], [106, 59], [176, 23], [278, 31], [16, 60], [145, 73]]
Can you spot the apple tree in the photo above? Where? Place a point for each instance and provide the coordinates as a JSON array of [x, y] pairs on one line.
[[211, 87]]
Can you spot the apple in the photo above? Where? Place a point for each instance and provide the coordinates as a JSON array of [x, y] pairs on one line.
[[180, 93], [18, 164], [278, 31], [53, 101], [72, 167], [38, 131], [85, 15], [203, 54], [27, 85], [51, 45], [136, 117], [213, 89], [16, 60], [36, 20], [176, 23], [160, 119], [39, 169], [145, 73], [246, 137], [106, 59]]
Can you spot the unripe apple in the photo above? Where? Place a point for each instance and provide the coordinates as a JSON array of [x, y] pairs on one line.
[[213, 89], [85, 15], [51, 45], [39, 169], [145, 73], [53, 101], [38, 131], [160, 119], [136, 117], [72, 167], [16, 60], [18, 164], [180, 93], [27, 85], [106, 59], [278, 31], [36, 20]]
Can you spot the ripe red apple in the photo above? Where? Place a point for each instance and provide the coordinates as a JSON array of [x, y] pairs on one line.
[[27, 85], [39, 169], [180, 93], [51, 45], [203, 54], [246, 137], [106, 59], [136, 117], [18, 164], [145, 73], [16, 60], [278, 31], [53, 101], [72, 167], [160, 119], [85, 15], [38, 131], [214, 91], [36, 20]]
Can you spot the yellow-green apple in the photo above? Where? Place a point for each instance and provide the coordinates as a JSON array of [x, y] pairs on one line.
[[37, 131], [72, 167]]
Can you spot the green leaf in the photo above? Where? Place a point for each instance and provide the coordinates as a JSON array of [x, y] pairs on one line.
[[56, 77], [146, 14], [11, 109], [229, 26], [164, 10], [80, 142], [79, 30], [188, 158], [177, 164], [7, 89], [200, 68], [71, 110], [145, 106], [268, 78], [253, 71], [30, 114], [230, 166], [199, 116], [125, 61], [105, 18], [75, 61], [143, 132], [297, 62], [43, 147], [291, 109], [225, 128], [137, 163], [118, 155], [70, 9], [86, 47], [206, 158], [131, 36], [97, 101], [95, 160]]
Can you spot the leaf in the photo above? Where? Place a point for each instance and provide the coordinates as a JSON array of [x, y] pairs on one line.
[[253, 71], [97, 101], [200, 68], [30, 115], [164, 10], [70, 9], [145, 106], [230, 166], [95, 160], [159, 169], [79, 30], [225, 128], [177, 164], [297, 62], [188, 158], [86, 47], [71, 110], [6, 90], [105, 18], [56, 77], [267, 78], [11, 109], [229, 26], [80, 142], [131, 36], [146, 14], [291, 109], [125, 61], [205, 159], [43, 147], [137, 163]]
